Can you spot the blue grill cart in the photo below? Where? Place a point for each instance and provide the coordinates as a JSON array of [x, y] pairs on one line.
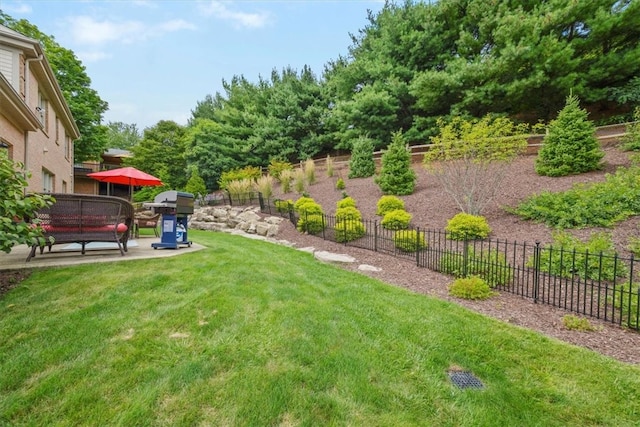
[[175, 207]]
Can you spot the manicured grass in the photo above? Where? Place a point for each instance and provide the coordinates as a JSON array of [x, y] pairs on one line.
[[252, 333]]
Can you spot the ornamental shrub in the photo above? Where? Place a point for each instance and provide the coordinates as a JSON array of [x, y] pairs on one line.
[[396, 220], [348, 230], [349, 213], [15, 206], [311, 219], [409, 240], [396, 177], [570, 146], [575, 323], [600, 204], [349, 224], [276, 167], [240, 190], [248, 172], [284, 206], [329, 165], [473, 287], [346, 202], [340, 184], [299, 180], [361, 164], [464, 226], [299, 204], [264, 185], [491, 265], [286, 176], [387, 204], [625, 300], [631, 139], [567, 256], [310, 171]]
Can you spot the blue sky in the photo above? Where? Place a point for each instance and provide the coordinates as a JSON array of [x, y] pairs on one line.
[[154, 60]]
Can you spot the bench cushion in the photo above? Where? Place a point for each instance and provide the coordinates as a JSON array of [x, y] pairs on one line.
[[120, 228]]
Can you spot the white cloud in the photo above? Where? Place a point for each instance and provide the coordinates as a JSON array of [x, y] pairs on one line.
[[18, 8], [145, 3], [94, 56], [175, 25], [89, 31], [220, 10]]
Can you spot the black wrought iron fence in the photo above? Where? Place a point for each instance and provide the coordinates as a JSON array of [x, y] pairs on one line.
[[599, 285], [221, 198]]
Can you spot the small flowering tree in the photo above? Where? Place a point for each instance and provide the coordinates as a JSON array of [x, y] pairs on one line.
[[471, 158]]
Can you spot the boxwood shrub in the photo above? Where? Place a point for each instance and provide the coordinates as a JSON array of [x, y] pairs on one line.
[[472, 287], [464, 226], [490, 265], [349, 230], [408, 240], [398, 219], [349, 224], [347, 202], [388, 203], [311, 218]]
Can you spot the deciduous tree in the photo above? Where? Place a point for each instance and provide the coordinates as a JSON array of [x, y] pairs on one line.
[[470, 158]]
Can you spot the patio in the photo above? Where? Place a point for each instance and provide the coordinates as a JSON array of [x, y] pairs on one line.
[[139, 248]]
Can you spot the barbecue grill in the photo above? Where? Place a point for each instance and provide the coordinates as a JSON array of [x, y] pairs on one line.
[[175, 206]]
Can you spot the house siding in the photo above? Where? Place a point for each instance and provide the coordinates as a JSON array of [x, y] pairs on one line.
[[38, 144]]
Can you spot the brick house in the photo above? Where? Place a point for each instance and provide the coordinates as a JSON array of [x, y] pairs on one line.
[[36, 125]]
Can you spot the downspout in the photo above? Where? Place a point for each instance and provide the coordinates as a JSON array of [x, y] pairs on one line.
[[40, 57]]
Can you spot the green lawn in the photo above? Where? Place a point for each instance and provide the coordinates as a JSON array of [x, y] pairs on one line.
[[251, 333]]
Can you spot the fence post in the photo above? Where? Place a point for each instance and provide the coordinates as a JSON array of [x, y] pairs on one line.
[[344, 221], [637, 325], [292, 218], [465, 256], [230, 201], [418, 246], [261, 201], [375, 236], [324, 224], [536, 271]]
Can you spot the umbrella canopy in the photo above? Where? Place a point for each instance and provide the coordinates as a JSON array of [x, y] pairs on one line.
[[126, 176]]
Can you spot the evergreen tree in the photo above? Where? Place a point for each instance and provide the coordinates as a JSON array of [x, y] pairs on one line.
[[361, 164], [570, 146], [396, 176]]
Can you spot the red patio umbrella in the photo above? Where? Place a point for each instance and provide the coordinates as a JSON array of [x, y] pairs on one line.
[[126, 176]]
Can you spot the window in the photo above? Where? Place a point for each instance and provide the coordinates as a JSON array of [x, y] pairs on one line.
[[41, 109], [57, 131], [67, 147], [47, 181], [64, 186], [8, 66], [6, 149]]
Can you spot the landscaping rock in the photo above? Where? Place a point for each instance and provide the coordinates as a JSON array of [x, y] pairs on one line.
[[331, 257], [367, 267]]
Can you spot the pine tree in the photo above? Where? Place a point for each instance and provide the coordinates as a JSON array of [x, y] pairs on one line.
[[396, 175], [570, 146], [361, 164]]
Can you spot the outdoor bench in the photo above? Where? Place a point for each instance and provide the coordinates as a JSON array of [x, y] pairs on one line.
[[84, 218]]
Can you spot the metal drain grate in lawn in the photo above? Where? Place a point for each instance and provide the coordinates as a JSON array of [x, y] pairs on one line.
[[464, 379]]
